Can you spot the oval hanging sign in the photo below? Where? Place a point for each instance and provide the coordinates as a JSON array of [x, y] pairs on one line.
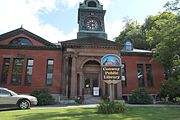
[[111, 68], [111, 60]]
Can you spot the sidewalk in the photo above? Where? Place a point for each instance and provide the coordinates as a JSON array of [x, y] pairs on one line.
[[66, 106], [151, 105], [95, 105]]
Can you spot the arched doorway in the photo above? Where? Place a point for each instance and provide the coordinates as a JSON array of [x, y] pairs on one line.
[[91, 71]]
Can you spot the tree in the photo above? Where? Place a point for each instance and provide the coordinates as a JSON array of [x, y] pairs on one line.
[[133, 31], [173, 6], [162, 33]]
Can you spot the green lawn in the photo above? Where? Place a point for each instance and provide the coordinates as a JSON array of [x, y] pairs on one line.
[[133, 113]]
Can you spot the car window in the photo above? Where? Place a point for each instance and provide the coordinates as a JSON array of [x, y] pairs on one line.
[[4, 92]]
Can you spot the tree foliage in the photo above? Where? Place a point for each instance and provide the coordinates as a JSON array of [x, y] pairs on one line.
[[162, 33], [133, 31], [176, 70], [173, 6], [159, 33]]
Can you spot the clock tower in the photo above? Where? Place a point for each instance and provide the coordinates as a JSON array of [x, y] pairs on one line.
[[91, 19]]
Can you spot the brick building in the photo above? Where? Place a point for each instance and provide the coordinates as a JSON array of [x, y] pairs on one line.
[[73, 68]]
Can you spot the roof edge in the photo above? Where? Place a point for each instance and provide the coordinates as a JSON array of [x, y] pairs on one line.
[[26, 32]]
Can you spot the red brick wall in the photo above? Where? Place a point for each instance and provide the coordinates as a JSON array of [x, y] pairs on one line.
[[39, 69], [131, 73]]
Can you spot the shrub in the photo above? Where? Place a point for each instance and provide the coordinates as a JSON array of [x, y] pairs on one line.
[[43, 96], [107, 107], [177, 100], [140, 96], [169, 88]]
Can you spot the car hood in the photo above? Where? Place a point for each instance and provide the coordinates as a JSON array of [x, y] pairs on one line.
[[26, 96]]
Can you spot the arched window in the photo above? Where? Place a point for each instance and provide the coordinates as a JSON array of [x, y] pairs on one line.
[[128, 46], [91, 4], [21, 41]]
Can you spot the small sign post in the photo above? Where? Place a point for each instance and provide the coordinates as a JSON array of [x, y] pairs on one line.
[[111, 71]]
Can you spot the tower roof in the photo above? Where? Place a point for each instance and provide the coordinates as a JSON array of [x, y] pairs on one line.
[[91, 19], [91, 4]]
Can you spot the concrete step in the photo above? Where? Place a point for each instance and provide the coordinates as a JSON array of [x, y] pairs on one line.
[[91, 100]]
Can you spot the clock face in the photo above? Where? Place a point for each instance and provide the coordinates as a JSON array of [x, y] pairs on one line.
[[91, 24]]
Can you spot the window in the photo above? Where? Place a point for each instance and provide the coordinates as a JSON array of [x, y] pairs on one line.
[[17, 71], [29, 69], [87, 83], [128, 46], [91, 4], [149, 75], [78, 84], [140, 72], [20, 41], [5, 93], [5, 71], [49, 75], [123, 68]]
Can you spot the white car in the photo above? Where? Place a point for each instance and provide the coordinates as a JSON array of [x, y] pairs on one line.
[[8, 99]]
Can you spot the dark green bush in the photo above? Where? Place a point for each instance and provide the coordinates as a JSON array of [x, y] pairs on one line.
[[170, 88], [140, 96], [107, 107], [43, 96], [177, 100]]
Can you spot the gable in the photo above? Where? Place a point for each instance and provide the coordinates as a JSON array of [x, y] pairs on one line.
[[7, 38], [91, 42]]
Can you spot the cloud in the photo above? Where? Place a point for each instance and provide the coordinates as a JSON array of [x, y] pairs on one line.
[[54, 35], [114, 28], [37, 6], [14, 13], [73, 3], [105, 3], [70, 3]]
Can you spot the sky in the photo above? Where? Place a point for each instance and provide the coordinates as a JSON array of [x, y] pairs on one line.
[[56, 20]]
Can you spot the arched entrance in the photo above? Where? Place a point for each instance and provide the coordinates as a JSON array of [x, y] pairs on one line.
[[91, 71]]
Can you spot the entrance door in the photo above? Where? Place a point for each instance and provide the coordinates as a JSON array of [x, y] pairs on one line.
[[91, 80]]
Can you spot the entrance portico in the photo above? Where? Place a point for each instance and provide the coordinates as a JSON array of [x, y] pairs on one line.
[[82, 67], [82, 56]]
